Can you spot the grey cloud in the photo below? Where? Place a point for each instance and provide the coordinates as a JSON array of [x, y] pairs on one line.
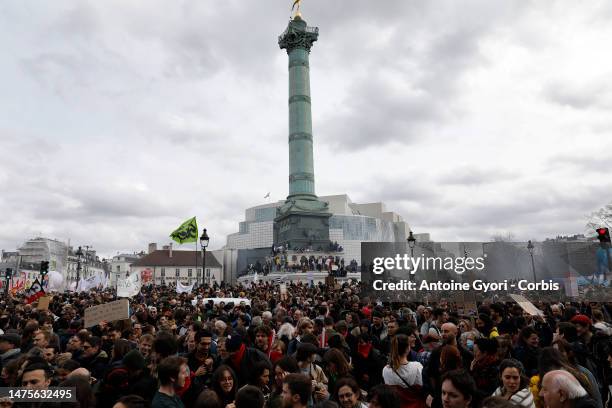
[[535, 208], [414, 189], [589, 94], [427, 71], [470, 175], [78, 22], [581, 163], [202, 39], [376, 114], [55, 201]]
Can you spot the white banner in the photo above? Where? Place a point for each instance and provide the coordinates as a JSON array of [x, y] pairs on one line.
[[180, 288], [101, 281], [87, 284], [216, 301], [130, 286]]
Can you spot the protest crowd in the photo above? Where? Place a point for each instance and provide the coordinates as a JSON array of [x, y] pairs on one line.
[[309, 346]]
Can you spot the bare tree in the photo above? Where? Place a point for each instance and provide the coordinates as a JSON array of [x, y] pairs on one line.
[[600, 218], [503, 237]]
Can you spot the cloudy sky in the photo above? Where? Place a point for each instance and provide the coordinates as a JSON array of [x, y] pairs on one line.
[[120, 119]]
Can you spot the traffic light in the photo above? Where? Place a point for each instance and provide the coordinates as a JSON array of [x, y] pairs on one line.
[[8, 273], [44, 267], [603, 235]]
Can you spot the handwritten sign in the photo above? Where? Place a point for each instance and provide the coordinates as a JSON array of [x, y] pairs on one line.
[[43, 302], [110, 312], [527, 305]]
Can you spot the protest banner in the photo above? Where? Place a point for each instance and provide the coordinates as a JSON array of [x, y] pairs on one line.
[[180, 288], [216, 301], [109, 312], [130, 286]]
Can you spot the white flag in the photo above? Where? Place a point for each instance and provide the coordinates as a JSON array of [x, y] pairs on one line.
[[97, 282], [105, 280], [180, 288], [130, 286], [87, 284], [55, 282]]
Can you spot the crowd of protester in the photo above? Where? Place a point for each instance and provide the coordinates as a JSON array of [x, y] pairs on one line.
[[302, 262], [311, 346]]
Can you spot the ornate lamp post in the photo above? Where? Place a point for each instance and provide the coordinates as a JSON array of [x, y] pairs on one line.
[[79, 254], [411, 244], [530, 248], [204, 240]]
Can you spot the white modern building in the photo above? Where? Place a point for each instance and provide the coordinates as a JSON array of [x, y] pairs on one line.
[[350, 225]]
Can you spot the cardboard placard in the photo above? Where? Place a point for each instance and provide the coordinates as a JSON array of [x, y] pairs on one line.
[[110, 312], [43, 302], [527, 305]]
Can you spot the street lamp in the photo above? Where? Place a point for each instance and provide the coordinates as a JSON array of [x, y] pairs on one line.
[[411, 244], [530, 248], [204, 240], [79, 254]]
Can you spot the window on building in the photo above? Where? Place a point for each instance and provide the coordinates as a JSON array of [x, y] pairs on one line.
[[207, 273], [199, 272], [178, 272], [189, 272], [118, 268], [163, 273]]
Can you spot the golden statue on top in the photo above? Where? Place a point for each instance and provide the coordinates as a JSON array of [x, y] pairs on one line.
[[297, 9]]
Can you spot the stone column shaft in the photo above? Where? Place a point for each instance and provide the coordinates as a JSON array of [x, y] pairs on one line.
[[301, 164]]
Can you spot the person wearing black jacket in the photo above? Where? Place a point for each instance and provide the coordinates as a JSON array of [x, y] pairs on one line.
[[9, 348], [527, 351], [141, 382], [241, 359], [368, 363], [93, 358]]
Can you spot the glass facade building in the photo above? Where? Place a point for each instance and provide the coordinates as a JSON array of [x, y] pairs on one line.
[[350, 225]]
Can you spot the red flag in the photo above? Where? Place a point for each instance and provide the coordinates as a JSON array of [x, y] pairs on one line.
[[36, 291]]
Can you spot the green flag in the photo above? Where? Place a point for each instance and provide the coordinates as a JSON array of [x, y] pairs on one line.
[[187, 232]]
